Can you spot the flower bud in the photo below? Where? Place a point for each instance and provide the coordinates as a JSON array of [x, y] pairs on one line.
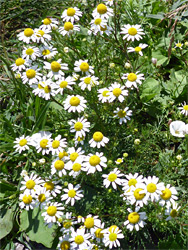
[[127, 65], [154, 60], [66, 49], [137, 141]]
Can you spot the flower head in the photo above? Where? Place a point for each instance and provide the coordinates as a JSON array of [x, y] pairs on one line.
[[132, 32]]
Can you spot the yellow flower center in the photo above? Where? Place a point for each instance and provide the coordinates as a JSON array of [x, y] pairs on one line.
[[98, 21], [132, 182], [134, 217], [76, 167], [55, 144], [45, 52], [84, 66], [132, 31], [67, 224], [55, 66], [132, 77], [41, 198], [23, 142], [74, 156], [166, 194], [103, 28], [138, 49], [51, 211], [179, 45], [98, 233], [47, 21], [137, 195], [27, 199], [40, 86], [43, 143], [28, 32], [87, 80], [112, 228], [173, 213], [19, 61], [116, 92], [79, 239], [89, 223], [151, 187], [74, 101], [30, 73], [121, 113], [71, 193], [29, 51], [101, 8], [78, 126], [30, 184], [112, 177], [62, 154], [119, 160], [40, 33], [105, 93], [97, 136], [94, 160], [59, 164], [71, 12], [68, 26], [65, 245], [47, 89], [63, 84], [49, 185], [185, 107], [112, 236]]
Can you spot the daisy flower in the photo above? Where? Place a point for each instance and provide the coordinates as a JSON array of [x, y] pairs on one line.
[[75, 103], [79, 239], [92, 222], [102, 11], [132, 32], [178, 45], [72, 194], [79, 140], [31, 53], [96, 25], [80, 219], [131, 181], [48, 52], [64, 83], [133, 79], [58, 166], [137, 195], [109, 2], [41, 141], [94, 162], [56, 68], [64, 243], [104, 95], [153, 188], [42, 197], [20, 64], [168, 196], [31, 75], [31, 184], [88, 82], [123, 114], [53, 212], [42, 35], [27, 201], [138, 49], [111, 238], [67, 224], [49, 23], [71, 14], [135, 219], [68, 28], [172, 212], [75, 167], [119, 161], [57, 145], [22, 143], [105, 29], [80, 126], [112, 178], [24, 173], [184, 109], [117, 92], [83, 66], [52, 187], [98, 140], [45, 89], [73, 155], [177, 128], [27, 35], [96, 232]]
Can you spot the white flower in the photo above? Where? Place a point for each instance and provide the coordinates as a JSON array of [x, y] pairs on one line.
[[88, 82], [56, 68], [52, 187], [27, 35], [31, 53], [24, 173], [22, 143], [172, 212], [111, 237], [48, 52], [41, 141], [137, 49], [168, 196], [98, 140], [102, 11], [72, 194], [31, 75], [66, 49], [76, 167], [71, 14], [53, 212], [27, 201], [64, 242], [49, 23], [45, 88], [112, 178], [184, 109], [119, 161], [58, 166], [73, 155], [153, 188], [132, 32], [79, 240], [96, 232], [109, 2], [135, 219], [178, 45], [137, 195], [57, 145], [99, 25], [92, 222], [133, 79], [31, 184], [104, 95], [177, 128], [83, 66], [123, 114], [20, 64], [117, 92], [179, 157], [75, 103], [68, 28], [131, 181], [64, 83], [94, 162], [42, 197], [42, 35], [80, 126]]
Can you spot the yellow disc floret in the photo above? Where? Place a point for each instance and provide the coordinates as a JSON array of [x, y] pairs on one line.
[[49, 185], [55, 144], [173, 213], [121, 113], [79, 239], [47, 89], [30, 184], [98, 233], [74, 156], [74, 101], [63, 84], [112, 177], [40, 33], [59, 164], [132, 182], [51, 211], [19, 61], [29, 51], [138, 49], [30, 73], [151, 187], [55, 66], [65, 245], [117, 92], [47, 21], [89, 223], [27, 199], [43, 143], [98, 21], [137, 194], [76, 167], [71, 12], [132, 31], [166, 194], [41, 198], [45, 52], [132, 77], [112, 236], [87, 80], [68, 26], [185, 107], [101, 8], [134, 217], [72, 193], [112, 228], [97, 136], [28, 32], [94, 160], [23, 142], [84, 66], [105, 93], [78, 126]]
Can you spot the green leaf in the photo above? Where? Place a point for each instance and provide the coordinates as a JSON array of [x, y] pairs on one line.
[[6, 223], [161, 59], [150, 88], [32, 223]]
